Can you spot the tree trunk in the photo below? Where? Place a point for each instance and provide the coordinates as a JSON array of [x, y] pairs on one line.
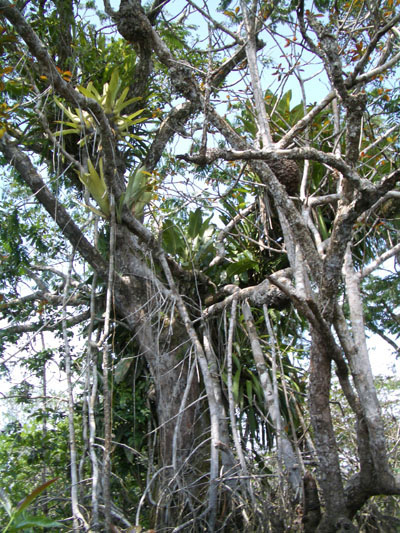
[[325, 442], [183, 418]]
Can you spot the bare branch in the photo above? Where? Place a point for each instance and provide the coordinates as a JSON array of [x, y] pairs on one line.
[[49, 297], [171, 125], [46, 326], [251, 53], [225, 232], [366, 271], [272, 154], [215, 23], [361, 64], [259, 295]]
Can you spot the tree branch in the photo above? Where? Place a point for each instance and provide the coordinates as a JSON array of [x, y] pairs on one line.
[[215, 23], [360, 65], [272, 154], [64, 89], [263, 293], [21, 162], [171, 125], [378, 261], [50, 297], [47, 326]]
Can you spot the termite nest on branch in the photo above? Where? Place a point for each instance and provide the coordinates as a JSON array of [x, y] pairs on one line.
[[288, 173]]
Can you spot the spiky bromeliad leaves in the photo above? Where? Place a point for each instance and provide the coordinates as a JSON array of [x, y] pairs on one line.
[[96, 185], [82, 123], [139, 191]]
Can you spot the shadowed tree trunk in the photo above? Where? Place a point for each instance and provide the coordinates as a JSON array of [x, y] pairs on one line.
[[236, 319]]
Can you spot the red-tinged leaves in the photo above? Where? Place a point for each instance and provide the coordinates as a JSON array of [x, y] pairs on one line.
[[65, 74], [34, 494]]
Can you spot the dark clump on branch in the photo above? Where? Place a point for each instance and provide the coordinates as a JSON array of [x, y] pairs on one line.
[[288, 174], [130, 25]]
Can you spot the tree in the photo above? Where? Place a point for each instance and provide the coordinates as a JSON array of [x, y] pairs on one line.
[[201, 336]]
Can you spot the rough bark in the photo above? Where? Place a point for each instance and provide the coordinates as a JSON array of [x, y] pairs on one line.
[[193, 432], [329, 475]]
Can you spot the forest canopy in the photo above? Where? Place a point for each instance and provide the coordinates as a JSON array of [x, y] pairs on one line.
[[199, 231]]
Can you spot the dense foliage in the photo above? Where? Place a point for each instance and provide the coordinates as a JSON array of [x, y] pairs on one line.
[[199, 231]]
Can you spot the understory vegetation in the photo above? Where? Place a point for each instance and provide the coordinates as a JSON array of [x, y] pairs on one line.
[[199, 244]]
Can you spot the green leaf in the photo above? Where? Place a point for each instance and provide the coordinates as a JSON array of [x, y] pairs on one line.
[[173, 242], [135, 114], [38, 521], [5, 501], [253, 424], [322, 226], [82, 142], [85, 91], [235, 385], [120, 105], [112, 91], [296, 113], [92, 209], [95, 94], [235, 358], [122, 368], [195, 223], [283, 106], [136, 187], [72, 124], [207, 229], [249, 391], [258, 389], [84, 118], [66, 111], [205, 248], [66, 132], [243, 265], [97, 186], [139, 205], [249, 127], [136, 137]]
